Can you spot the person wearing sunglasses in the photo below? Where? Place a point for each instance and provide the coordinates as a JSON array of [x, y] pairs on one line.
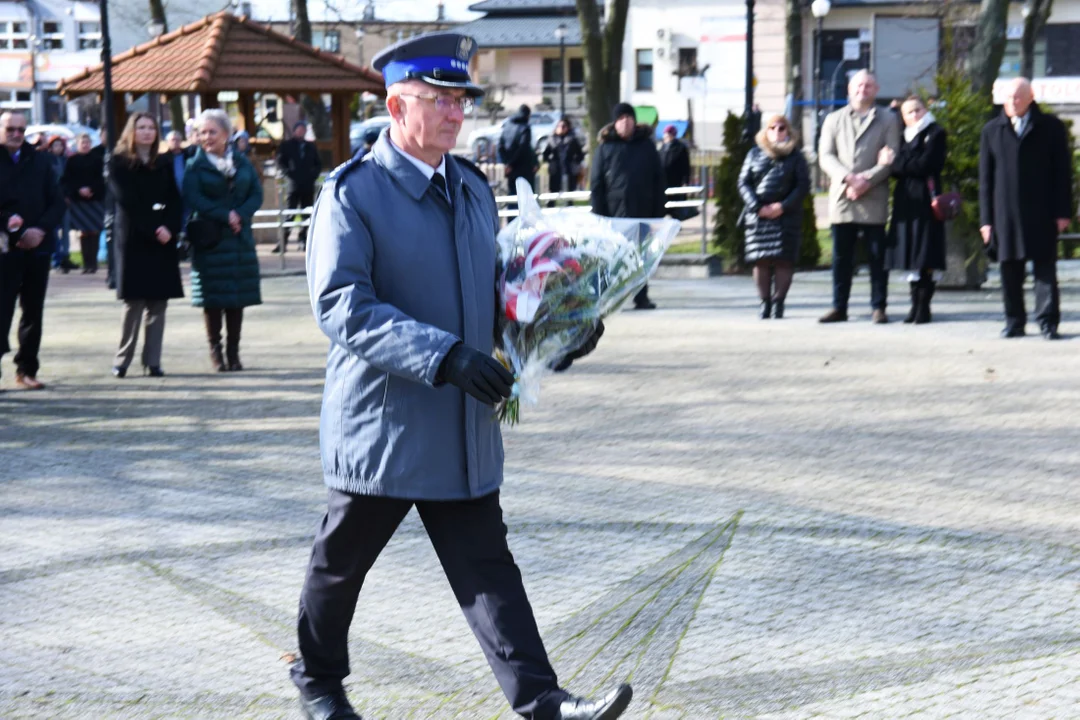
[[401, 272], [31, 208]]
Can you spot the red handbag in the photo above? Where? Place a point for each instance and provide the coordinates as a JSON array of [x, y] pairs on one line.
[[945, 206]]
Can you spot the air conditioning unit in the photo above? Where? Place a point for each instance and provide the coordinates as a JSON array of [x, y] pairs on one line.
[[660, 53], [660, 34]]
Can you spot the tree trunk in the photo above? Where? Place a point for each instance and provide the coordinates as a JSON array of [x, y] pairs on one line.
[[1033, 27], [794, 28], [984, 62], [313, 106], [176, 109], [602, 46]]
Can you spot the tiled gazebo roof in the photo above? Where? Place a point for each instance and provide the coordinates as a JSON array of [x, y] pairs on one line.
[[226, 52]]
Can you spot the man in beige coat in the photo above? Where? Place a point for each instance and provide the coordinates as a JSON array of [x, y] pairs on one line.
[[858, 145]]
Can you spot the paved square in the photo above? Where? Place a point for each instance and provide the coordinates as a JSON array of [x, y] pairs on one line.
[[746, 518]]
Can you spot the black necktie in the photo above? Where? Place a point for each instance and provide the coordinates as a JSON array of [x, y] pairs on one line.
[[440, 183]]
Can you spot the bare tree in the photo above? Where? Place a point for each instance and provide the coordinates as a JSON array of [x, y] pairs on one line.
[[603, 44], [176, 108], [984, 62], [1033, 27], [313, 106]]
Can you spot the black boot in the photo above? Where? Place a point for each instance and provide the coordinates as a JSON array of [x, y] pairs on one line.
[[234, 319], [910, 317], [926, 291], [766, 309], [212, 318], [778, 308]]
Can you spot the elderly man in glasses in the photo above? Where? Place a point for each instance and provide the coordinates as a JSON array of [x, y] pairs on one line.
[[401, 272], [31, 206]]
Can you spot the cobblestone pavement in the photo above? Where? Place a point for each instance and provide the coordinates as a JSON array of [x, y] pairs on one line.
[[744, 518]]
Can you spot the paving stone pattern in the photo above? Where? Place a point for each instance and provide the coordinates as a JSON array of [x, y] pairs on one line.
[[746, 519]]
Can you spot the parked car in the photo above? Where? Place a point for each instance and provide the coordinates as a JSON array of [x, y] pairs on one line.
[[483, 142], [359, 128], [68, 132]]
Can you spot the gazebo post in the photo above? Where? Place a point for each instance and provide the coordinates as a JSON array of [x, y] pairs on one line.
[[119, 114], [339, 114], [246, 102], [208, 100]]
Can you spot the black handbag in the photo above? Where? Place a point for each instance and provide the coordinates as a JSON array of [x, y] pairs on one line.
[[203, 233]]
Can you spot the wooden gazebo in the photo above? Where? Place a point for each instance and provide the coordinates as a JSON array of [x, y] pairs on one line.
[[224, 52]]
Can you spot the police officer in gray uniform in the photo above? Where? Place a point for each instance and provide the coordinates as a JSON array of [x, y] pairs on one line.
[[401, 271]]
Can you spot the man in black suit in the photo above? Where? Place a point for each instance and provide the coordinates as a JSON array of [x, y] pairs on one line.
[[1025, 193], [31, 206], [298, 160]]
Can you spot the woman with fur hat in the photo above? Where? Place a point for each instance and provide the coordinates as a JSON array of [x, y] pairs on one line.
[[773, 183]]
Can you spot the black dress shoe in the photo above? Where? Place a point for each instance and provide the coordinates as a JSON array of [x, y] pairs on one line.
[[334, 706], [645, 305], [608, 707], [154, 371], [1050, 332], [1013, 332], [119, 372]]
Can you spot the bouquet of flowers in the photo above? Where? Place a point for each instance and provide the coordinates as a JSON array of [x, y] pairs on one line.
[[559, 274]]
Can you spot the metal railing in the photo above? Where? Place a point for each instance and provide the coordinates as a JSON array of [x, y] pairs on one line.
[[281, 223], [584, 195]]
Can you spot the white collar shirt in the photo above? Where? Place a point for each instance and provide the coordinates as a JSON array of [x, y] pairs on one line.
[[429, 172]]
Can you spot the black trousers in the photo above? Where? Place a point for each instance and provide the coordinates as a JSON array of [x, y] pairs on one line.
[[845, 236], [1047, 300], [469, 538], [298, 199], [23, 276]]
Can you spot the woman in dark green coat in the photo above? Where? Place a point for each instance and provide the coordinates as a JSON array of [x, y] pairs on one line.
[[222, 186]]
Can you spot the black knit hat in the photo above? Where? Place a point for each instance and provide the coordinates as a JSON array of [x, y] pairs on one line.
[[623, 109]]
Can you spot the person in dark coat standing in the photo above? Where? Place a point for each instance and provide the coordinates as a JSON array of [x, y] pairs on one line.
[[773, 183], [222, 186], [675, 159], [400, 272], [84, 186], [516, 151], [57, 150], [627, 179], [145, 230], [298, 159], [1025, 193], [563, 155], [31, 207], [916, 239]]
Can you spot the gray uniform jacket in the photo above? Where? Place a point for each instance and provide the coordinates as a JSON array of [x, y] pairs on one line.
[[851, 145], [397, 277]]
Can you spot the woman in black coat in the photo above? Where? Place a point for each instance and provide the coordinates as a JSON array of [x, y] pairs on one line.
[[84, 187], [145, 228], [773, 182], [916, 240], [563, 155]]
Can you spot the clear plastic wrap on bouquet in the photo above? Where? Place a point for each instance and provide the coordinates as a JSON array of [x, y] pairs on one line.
[[561, 272]]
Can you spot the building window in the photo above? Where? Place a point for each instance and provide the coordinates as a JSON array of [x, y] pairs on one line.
[[14, 36], [644, 70], [552, 73], [1062, 50], [577, 73], [687, 62], [52, 36], [89, 35], [328, 40]]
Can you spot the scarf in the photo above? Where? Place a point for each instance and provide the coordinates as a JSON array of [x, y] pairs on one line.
[[224, 164], [910, 133]]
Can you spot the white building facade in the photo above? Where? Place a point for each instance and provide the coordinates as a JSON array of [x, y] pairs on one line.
[[687, 58]]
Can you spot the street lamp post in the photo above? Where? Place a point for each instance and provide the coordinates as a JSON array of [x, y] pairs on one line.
[[819, 9], [749, 104], [560, 33]]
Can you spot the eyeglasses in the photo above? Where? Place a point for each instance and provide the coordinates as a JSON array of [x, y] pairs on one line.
[[445, 102], [14, 130]]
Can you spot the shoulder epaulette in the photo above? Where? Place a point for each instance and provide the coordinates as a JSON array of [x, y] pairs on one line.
[[346, 167]]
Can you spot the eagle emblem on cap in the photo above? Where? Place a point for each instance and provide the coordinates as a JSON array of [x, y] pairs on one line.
[[464, 48]]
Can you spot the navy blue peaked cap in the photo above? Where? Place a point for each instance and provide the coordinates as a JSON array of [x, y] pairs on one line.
[[437, 58]]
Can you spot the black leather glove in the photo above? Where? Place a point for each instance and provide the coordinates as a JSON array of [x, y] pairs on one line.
[[480, 375]]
